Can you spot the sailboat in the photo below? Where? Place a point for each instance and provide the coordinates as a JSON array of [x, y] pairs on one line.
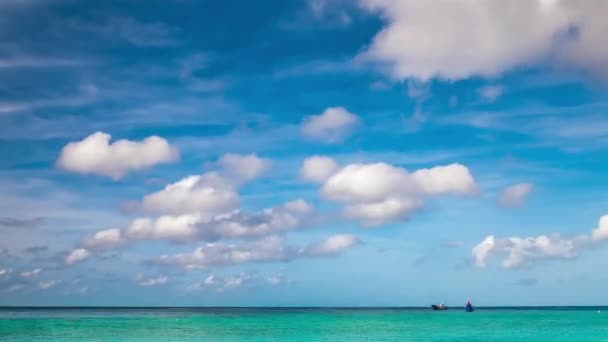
[[469, 307], [439, 307]]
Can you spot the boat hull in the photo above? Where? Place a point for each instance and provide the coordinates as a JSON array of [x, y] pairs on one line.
[[439, 307]]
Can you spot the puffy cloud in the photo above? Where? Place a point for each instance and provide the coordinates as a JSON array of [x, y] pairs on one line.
[[517, 251], [453, 178], [389, 209], [174, 228], [268, 249], [514, 195], [317, 168], [5, 272], [483, 250], [48, 284], [208, 194], [243, 167], [77, 255], [96, 155], [379, 192], [276, 220], [459, 39], [161, 280], [601, 232], [333, 125], [31, 274], [195, 227], [104, 239], [234, 224], [520, 250]]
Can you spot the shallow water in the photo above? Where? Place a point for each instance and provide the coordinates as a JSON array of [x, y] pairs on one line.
[[274, 324]]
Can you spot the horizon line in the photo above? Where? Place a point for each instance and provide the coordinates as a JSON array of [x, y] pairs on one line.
[[284, 307]]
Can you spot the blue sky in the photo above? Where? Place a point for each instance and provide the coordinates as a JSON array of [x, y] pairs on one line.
[[306, 153]]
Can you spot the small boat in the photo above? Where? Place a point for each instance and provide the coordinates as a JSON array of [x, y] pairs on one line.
[[439, 307], [469, 307]]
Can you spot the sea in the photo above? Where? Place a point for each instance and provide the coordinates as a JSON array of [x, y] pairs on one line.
[[304, 324]]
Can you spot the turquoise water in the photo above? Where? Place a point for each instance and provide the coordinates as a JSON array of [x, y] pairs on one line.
[[565, 324]]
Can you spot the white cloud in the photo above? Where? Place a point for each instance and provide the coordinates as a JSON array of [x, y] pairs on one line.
[[5, 272], [208, 194], [453, 178], [601, 232], [48, 284], [317, 168], [483, 250], [333, 245], [173, 228], [104, 239], [514, 195], [195, 227], [333, 125], [243, 167], [31, 274], [517, 251], [377, 193], [456, 39], [234, 224], [216, 254], [77, 255], [267, 249], [490, 93], [160, 280], [96, 155]]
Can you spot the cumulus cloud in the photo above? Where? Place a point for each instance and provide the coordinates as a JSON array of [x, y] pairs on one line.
[[77, 255], [104, 239], [268, 249], [317, 168], [333, 125], [517, 251], [514, 195], [377, 193], [234, 224], [208, 194], [195, 227], [161, 280], [243, 167], [485, 38], [96, 155], [601, 232]]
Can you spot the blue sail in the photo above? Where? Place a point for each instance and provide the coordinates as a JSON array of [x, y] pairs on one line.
[[469, 307]]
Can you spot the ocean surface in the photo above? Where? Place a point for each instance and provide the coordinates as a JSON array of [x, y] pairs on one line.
[[311, 324]]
